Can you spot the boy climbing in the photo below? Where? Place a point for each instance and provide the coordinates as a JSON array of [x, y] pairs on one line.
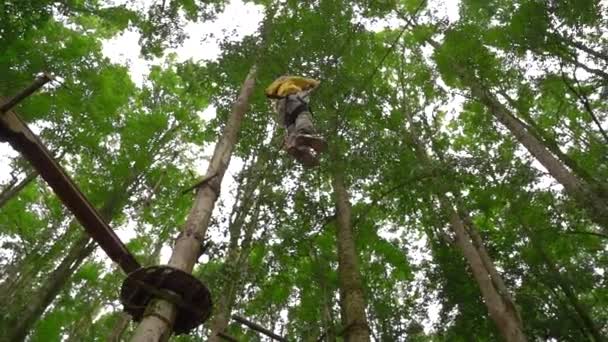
[[291, 103]]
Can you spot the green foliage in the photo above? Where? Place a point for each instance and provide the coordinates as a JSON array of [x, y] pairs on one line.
[[409, 126]]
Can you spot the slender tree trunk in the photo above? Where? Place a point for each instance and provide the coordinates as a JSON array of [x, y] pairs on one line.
[[22, 273], [79, 331], [554, 274], [583, 47], [577, 189], [12, 191], [119, 327], [328, 329], [234, 273], [24, 320], [489, 264], [498, 301], [597, 186], [187, 247], [328, 320], [237, 255], [79, 251], [356, 327], [580, 191], [123, 320], [597, 72], [506, 320]]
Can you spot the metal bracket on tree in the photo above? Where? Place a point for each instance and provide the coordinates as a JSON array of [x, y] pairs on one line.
[[185, 291]]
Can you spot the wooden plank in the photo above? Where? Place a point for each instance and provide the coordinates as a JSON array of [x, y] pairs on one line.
[[14, 131]]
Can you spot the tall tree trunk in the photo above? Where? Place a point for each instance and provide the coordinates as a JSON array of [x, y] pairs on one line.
[[556, 276], [498, 301], [79, 330], [119, 327], [12, 191], [497, 280], [123, 320], [571, 42], [247, 205], [80, 250], [19, 273], [22, 273], [187, 247], [506, 320], [24, 320], [577, 189], [598, 186], [356, 327], [235, 271], [328, 328]]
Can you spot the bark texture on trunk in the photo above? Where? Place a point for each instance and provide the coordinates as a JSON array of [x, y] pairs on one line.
[[12, 191], [25, 319], [501, 306], [119, 327], [236, 263], [501, 312], [83, 247], [556, 276], [576, 188], [187, 247], [497, 280], [354, 320], [243, 223], [328, 328]]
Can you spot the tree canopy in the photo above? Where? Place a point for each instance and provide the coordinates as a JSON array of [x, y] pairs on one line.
[[463, 195]]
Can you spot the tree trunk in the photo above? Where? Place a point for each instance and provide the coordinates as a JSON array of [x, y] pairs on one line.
[[124, 318], [352, 301], [119, 327], [12, 191], [489, 265], [234, 270], [22, 273], [580, 191], [501, 307], [79, 251], [328, 329], [572, 298], [187, 247], [506, 320], [597, 186], [24, 320], [79, 330], [571, 42]]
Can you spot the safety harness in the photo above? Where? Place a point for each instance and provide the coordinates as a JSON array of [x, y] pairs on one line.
[[292, 115]]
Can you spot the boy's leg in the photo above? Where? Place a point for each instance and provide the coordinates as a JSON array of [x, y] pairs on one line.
[[304, 124], [302, 154], [305, 133], [290, 137]]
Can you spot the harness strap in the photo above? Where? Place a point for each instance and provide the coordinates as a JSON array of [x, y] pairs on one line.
[[290, 117]]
